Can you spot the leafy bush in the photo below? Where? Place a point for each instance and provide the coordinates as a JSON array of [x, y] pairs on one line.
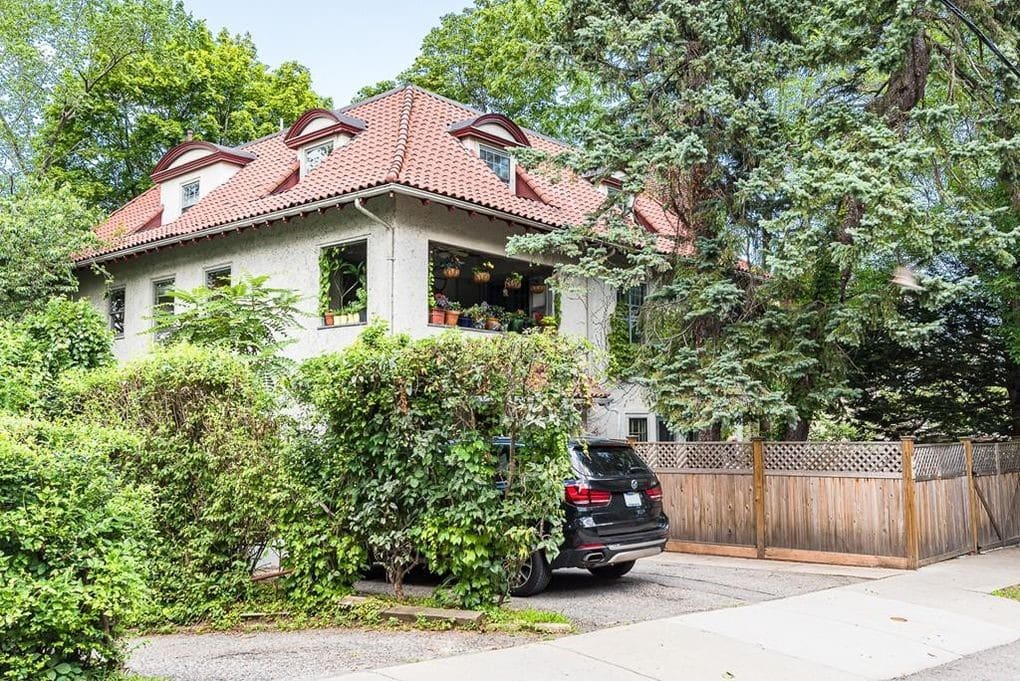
[[209, 447], [70, 334], [73, 539], [406, 464], [22, 377], [247, 318]]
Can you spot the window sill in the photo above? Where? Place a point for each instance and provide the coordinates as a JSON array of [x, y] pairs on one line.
[[341, 326], [464, 328]]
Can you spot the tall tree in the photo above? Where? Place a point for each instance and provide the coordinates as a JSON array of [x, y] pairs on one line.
[[804, 148], [497, 56]]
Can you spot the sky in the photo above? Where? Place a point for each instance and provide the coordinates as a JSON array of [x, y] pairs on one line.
[[345, 44]]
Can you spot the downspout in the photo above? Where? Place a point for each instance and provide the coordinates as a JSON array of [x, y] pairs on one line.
[[359, 203]]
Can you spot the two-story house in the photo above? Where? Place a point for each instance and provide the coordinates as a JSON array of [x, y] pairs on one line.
[[365, 211]]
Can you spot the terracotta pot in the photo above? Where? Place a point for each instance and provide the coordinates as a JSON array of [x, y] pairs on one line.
[[327, 319], [451, 317], [451, 272], [537, 288], [512, 284], [482, 277], [437, 315], [491, 323]]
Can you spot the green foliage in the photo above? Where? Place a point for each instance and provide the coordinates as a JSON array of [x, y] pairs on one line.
[[69, 335], [22, 377], [805, 170], [209, 446], [73, 542], [496, 56], [248, 318], [623, 352], [41, 227], [405, 463]]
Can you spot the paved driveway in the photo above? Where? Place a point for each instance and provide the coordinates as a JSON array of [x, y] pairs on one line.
[[668, 585]]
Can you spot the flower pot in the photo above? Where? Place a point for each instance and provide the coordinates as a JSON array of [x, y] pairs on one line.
[[512, 284], [327, 319], [437, 315], [517, 325], [451, 272], [482, 277], [537, 288], [479, 323], [465, 322], [492, 323], [451, 317]]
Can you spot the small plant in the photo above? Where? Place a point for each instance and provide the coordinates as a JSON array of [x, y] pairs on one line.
[[451, 267], [513, 281], [452, 313], [537, 286], [482, 272]]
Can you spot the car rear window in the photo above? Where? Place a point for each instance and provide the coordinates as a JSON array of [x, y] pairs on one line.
[[604, 462]]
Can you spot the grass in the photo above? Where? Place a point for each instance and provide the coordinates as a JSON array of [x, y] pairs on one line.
[[1012, 592]]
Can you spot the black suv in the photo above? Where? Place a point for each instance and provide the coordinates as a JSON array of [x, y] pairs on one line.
[[614, 515]]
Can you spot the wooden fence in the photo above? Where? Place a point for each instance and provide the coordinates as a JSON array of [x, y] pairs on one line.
[[880, 504]]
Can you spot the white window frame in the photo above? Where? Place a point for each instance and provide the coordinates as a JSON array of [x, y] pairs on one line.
[[306, 161], [639, 417], [218, 269], [499, 152], [196, 183], [156, 284]]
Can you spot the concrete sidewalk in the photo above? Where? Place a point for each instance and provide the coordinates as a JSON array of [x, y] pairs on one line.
[[873, 630]]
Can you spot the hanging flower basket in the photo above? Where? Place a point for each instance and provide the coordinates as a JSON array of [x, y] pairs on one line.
[[451, 272], [482, 277], [513, 281], [537, 287]]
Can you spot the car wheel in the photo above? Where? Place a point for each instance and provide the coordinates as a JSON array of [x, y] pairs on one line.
[[533, 577], [614, 571]]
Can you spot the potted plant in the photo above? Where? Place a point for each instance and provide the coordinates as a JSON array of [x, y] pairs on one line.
[[537, 286], [451, 267], [437, 308], [513, 281], [492, 320], [478, 314], [483, 272], [327, 318], [452, 313], [464, 320], [516, 321]]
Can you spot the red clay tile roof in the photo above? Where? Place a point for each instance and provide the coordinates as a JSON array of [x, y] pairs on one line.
[[406, 143]]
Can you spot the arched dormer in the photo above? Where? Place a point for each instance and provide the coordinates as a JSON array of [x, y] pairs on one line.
[[488, 136], [317, 133], [191, 170]]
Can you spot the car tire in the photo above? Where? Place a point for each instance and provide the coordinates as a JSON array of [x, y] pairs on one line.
[[614, 571], [533, 578]]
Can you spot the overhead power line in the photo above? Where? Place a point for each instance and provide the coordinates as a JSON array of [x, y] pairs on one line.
[[981, 36]]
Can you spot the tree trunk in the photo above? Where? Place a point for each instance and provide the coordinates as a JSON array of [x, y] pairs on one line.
[[1013, 390], [798, 432]]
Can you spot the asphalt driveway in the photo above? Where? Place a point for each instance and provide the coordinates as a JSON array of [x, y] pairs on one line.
[[671, 584]]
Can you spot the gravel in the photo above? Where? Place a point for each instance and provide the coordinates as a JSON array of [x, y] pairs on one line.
[[663, 586]]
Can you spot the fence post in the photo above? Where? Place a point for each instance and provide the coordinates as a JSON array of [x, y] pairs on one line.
[[968, 452], [758, 466], [909, 503]]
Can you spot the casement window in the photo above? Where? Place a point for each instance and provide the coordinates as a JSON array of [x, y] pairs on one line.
[[189, 194], [316, 155], [115, 309], [637, 428], [663, 433], [629, 304], [497, 160], [217, 277], [343, 284], [162, 301]]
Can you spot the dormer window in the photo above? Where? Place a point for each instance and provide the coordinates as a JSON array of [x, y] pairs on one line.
[[316, 155], [498, 161], [189, 194]]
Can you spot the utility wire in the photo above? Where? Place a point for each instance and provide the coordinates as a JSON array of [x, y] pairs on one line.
[[981, 36]]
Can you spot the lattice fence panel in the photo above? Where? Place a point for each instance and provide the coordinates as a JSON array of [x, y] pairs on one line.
[[706, 455], [1009, 456], [944, 460], [848, 457], [985, 458]]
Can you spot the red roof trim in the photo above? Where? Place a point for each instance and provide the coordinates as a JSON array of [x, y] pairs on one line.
[[163, 170], [472, 128], [295, 139]]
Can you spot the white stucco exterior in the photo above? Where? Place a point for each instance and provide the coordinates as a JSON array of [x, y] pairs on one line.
[[397, 281]]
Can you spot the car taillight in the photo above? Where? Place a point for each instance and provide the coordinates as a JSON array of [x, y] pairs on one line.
[[654, 493], [579, 495]]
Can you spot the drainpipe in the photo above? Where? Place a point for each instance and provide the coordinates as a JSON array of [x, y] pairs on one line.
[[359, 203]]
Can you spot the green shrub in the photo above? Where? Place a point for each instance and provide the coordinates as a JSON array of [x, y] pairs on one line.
[[406, 465], [69, 334], [22, 377], [209, 447], [73, 539]]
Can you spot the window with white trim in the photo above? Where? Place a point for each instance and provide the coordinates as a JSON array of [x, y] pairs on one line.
[[217, 277], [637, 428], [189, 194], [316, 155], [497, 160], [629, 304], [162, 300], [115, 310]]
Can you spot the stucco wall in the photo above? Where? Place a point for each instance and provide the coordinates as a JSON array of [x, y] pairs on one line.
[[289, 252]]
